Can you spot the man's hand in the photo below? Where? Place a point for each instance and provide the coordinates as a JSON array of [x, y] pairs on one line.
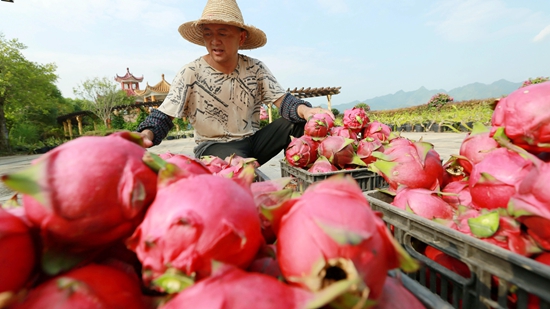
[[306, 112], [147, 136]]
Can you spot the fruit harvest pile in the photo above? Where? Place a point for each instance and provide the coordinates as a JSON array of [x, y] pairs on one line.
[[106, 224], [494, 189]]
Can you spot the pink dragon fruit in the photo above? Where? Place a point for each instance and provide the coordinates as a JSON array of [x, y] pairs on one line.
[[355, 119], [302, 151], [478, 144], [90, 286], [236, 165], [531, 203], [228, 285], [17, 252], [339, 151], [410, 164], [493, 180], [448, 261], [455, 169], [270, 193], [376, 130], [330, 235], [423, 202], [458, 193], [317, 126], [498, 228], [87, 193], [189, 163], [214, 164], [192, 221], [344, 132], [525, 116], [322, 165], [366, 147]]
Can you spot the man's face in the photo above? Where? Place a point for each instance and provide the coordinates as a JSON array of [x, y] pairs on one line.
[[222, 41]]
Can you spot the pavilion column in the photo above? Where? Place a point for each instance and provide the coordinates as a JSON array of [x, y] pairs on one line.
[[269, 112], [65, 128], [329, 103], [69, 124], [79, 119]]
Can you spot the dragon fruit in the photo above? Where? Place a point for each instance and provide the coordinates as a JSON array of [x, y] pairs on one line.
[[214, 164], [192, 221], [458, 193], [493, 180], [339, 151], [455, 169], [531, 203], [188, 163], [525, 116], [231, 287], [17, 252], [344, 132], [90, 286], [236, 165], [330, 234], [478, 144], [317, 126], [355, 119], [87, 193], [448, 261], [366, 147], [322, 165], [302, 151], [410, 164], [376, 130], [270, 193], [423, 202]]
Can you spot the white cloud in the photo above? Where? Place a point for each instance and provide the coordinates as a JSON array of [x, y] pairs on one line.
[[544, 33], [473, 20]]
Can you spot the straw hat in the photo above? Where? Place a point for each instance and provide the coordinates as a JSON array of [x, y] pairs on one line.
[[222, 12]]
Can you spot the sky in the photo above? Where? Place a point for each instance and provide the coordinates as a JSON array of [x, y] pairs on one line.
[[369, 48]]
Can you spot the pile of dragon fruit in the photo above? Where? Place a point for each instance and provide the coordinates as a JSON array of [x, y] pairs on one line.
[[494, 189], [106, 224], [326, 147]]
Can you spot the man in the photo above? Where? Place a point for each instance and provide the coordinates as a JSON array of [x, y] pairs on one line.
[[222, 92]]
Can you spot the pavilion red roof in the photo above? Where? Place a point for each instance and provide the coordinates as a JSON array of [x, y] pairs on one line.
[[129, 77]]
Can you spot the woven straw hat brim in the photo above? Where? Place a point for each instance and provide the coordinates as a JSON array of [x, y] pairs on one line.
[[191, 32]]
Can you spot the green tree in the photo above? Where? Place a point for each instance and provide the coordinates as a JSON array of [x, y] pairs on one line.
[[335, 111], [27, 91], [100, 95], [364, 106]]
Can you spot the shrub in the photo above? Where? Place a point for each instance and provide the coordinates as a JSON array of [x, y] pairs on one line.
[[438, 100], [536, 80]]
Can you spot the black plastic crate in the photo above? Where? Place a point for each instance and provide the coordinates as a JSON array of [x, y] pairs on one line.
[[366, 179], [429, 299], [499, 278]]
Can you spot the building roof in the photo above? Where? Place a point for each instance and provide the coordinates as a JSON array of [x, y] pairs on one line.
[[161, 88], [129, 77]]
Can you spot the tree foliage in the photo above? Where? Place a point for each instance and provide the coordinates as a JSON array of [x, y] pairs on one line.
[[28, 94], [100, 95], [364, 106]]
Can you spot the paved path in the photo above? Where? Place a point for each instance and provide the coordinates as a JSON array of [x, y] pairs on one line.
[[445, 144]]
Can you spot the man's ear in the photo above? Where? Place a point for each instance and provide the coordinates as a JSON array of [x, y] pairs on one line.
[[244, 36]]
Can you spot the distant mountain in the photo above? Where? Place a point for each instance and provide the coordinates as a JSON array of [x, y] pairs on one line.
[[422, 95]]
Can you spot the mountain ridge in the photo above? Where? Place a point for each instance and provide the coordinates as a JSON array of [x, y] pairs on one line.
[[400, 99]]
